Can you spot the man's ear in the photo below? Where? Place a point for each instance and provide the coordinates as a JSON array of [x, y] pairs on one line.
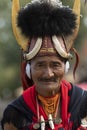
[[67, 66], [28, 70]]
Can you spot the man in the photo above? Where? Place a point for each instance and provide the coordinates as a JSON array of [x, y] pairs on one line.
[[49, 102]]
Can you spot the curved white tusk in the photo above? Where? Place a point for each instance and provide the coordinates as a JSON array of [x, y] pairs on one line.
[[35, 50], [51, 122], [59, 49], [42, 123]]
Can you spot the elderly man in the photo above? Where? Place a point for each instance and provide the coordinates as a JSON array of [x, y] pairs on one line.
[[49, 102]]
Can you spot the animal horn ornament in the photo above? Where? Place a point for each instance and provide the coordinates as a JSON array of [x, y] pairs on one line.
[[21, 39], [34, 51], [59, 49]]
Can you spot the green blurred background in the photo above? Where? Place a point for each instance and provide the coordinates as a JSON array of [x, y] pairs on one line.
[[10, 54], [10, 57]]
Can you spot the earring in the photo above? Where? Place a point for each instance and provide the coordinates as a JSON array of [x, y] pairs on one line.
[[67, 66], [28, 73]]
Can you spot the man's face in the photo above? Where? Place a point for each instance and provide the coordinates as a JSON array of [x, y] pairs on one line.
[[47, 72]]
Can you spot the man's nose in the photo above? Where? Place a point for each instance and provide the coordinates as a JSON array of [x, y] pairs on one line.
[[48, 72]]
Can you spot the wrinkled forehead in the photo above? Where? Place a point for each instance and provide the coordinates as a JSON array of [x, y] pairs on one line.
[[47, 59]]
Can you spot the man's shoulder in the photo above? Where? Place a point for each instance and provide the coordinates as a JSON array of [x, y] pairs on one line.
[[78, 103], [18, 105], [17, 113], [77, 94]]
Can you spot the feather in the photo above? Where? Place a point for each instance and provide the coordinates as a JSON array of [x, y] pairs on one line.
[[44, 19]]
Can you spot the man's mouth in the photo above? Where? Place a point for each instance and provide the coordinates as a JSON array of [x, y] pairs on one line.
[[47, 79]]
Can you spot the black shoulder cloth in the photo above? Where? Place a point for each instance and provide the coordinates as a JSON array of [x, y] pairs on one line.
[[18, 114], [78, 105]]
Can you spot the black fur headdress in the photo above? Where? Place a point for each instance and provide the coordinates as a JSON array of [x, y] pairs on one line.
[[43, 19]]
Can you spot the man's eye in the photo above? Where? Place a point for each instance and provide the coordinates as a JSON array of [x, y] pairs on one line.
[[57, 65], [40, 65]]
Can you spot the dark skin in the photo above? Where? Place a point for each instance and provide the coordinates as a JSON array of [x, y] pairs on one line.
[[47, 72]]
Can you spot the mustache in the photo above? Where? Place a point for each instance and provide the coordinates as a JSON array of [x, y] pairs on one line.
[[52, 79]]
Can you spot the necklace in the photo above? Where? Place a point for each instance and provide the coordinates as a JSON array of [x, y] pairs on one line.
[[49, 104], [51, 120]]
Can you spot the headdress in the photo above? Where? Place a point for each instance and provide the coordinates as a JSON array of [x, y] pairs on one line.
[[45, 18]]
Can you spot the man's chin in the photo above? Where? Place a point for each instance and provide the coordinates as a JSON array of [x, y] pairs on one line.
[[50, 90], [47, 90], [48, 83], [49, 87]]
